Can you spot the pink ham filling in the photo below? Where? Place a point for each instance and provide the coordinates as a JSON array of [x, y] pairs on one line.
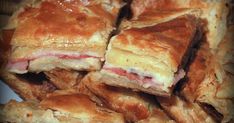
[[22, 64], [144, 79]]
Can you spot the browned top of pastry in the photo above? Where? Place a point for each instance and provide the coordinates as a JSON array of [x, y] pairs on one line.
[[173, 37], [63, 22]]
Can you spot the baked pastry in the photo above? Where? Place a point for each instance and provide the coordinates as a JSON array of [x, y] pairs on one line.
[[196, 72], [73, 108], [82, 88], [211, 80], [183, 111], [133, 105], [151, 58], [62, 34], [216, 89], [148, 12], [158, 116], [149, 55], [64, 79], [214, 13]]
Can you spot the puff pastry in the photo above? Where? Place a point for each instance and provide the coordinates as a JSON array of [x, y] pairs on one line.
[[64, 79], [62, 34], [151, 58], [134, 106], [217, 87], [156, 11], [73, 108], [211, 79], [184, 112]]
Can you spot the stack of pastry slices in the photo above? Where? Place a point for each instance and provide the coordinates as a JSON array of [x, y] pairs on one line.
[[118, 61]]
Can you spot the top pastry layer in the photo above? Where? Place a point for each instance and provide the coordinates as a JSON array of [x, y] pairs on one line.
[[167, 41], [65, 24]]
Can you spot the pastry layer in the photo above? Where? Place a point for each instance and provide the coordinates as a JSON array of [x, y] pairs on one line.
[[64, 24]]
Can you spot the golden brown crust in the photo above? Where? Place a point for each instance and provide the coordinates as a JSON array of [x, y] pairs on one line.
[[64, 79], [50, 111], [83, 89], [161, 44], [207, 94], [211, 79], [160, 38], [159, 116], [184, 112], [52, 34], [196, 73], [217, 87], [141, 7], [27, 89], [155, 17], [40, 31], [62, 92], [150, 12], [80, 106], [79, 89], [214, 12], [27, 112], [68, 103], [135, 106], [61, 25]]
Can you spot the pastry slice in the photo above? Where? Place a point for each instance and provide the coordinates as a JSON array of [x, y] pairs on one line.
[[134, 106], [151, 59], [214, 14], [148, 12], [211, 79], [73, 108], [183, 111], [216, 90], [61, 34]]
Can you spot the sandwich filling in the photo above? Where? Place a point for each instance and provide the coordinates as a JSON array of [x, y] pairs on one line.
[[46, 60], [143, 79]]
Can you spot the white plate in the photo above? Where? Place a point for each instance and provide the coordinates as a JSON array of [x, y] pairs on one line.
[[6, 94]]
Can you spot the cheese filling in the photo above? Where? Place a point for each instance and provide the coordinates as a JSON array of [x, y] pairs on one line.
[[144, 80]]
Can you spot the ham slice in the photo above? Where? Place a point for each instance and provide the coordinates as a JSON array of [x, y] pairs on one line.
[[146, 81], [131, 76], [21, 65], [18, 67]]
